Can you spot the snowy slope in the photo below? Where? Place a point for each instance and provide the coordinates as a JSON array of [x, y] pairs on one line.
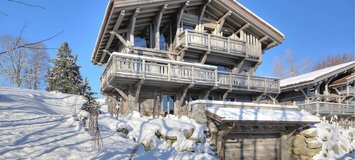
[[39, 125], [42, 125]]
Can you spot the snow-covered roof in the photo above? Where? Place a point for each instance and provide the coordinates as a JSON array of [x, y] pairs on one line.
[[317, 75], [240, 113]]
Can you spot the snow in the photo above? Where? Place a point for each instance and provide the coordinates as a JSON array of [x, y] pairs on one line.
[[44, 125], [311, 76], [337, 142], [40, 125], [260, 112]]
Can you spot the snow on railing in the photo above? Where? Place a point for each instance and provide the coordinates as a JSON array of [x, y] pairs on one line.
[[328, 108], [216, 43], [142, 67]]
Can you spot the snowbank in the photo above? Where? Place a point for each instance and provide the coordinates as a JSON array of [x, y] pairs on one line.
[[40, 125], [168, 137], [337, 143]]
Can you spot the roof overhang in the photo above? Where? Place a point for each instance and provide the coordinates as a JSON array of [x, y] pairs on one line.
[[257, 25]]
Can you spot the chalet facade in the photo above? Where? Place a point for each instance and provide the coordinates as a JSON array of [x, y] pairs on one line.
[[326, 92], [164, 51], [162, 56]]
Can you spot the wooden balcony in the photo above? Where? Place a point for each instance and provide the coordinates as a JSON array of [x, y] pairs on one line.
[[193, 40], [328, 108], [127, 68]]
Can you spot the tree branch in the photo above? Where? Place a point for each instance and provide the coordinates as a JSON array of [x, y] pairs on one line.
[[29, 45], [26, 4]]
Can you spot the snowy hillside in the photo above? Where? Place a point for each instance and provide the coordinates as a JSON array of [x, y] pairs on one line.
[[42, 125]]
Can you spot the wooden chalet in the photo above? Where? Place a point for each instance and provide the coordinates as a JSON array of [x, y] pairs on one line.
[[327, 92], [160, 54]]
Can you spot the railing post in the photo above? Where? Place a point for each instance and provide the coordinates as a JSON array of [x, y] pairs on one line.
[[265, 86], [248, 82], [169, 71], [229, 46], [209, 42], [193, 74], [143, 68], [230, 80], [317, 111], [216, 77], [186, 39]]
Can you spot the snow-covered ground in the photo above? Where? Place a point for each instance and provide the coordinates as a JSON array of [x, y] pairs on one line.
[[42, 125]]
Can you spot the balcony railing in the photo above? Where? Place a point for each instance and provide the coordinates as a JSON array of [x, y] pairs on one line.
[[215, 43], [328, 108], [141, 67]]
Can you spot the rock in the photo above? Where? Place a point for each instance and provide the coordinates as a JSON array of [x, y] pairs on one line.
[[348, 158], [299, 141], [325, 138], [188, 132], [335, 148], [122, 130], [342, 147], [302, 157], [295, 157], [150, 142], [305, 151], [310, 133], [310, 139], [314, 144], [212, 127], [186, 146], [299, 150], [169, 142]]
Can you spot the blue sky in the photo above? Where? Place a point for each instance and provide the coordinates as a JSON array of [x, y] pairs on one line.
[[315, 28]]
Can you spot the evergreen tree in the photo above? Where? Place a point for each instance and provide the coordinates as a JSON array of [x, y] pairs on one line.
[[65, 76]]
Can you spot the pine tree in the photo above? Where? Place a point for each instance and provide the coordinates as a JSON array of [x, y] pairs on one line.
[[65, 76]]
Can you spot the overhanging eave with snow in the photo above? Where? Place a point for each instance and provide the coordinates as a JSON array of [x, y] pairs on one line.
[[316, 77], [245, 114]]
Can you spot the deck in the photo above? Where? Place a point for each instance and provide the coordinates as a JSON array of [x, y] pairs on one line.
[[128, 68], [193, 40], [329, 108]]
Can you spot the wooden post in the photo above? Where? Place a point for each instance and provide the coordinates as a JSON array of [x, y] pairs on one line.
[[157, 26], [131, 27]]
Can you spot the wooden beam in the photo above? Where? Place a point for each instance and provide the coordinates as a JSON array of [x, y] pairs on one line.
[[120, 92], [245, 26], [117, 25], [202, 12], [204, 57], [183, 95], [138, 91], [132, 24], [263, 39], [271, 45], [239, 66], [107, 52], [226, 94], [123, 41], [157, 26], [221, 21], [180, 15]]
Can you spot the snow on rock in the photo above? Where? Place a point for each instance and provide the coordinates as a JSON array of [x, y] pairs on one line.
[[337, 143]]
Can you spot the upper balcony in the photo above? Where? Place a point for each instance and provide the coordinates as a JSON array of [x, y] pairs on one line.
[[128, 69], [205, 42]]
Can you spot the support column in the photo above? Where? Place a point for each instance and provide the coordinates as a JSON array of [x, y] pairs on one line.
[[157, 27]]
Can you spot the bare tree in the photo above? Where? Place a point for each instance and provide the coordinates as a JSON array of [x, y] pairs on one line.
[[286, 65], [12, 65], [333, 60], [39, 61], [23, 67]]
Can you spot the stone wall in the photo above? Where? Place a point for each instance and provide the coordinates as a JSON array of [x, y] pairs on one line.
[[305, 145]]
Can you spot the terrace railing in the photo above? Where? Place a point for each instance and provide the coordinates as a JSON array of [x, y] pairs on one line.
[[215, 43], [141, 67], [328, 108]]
